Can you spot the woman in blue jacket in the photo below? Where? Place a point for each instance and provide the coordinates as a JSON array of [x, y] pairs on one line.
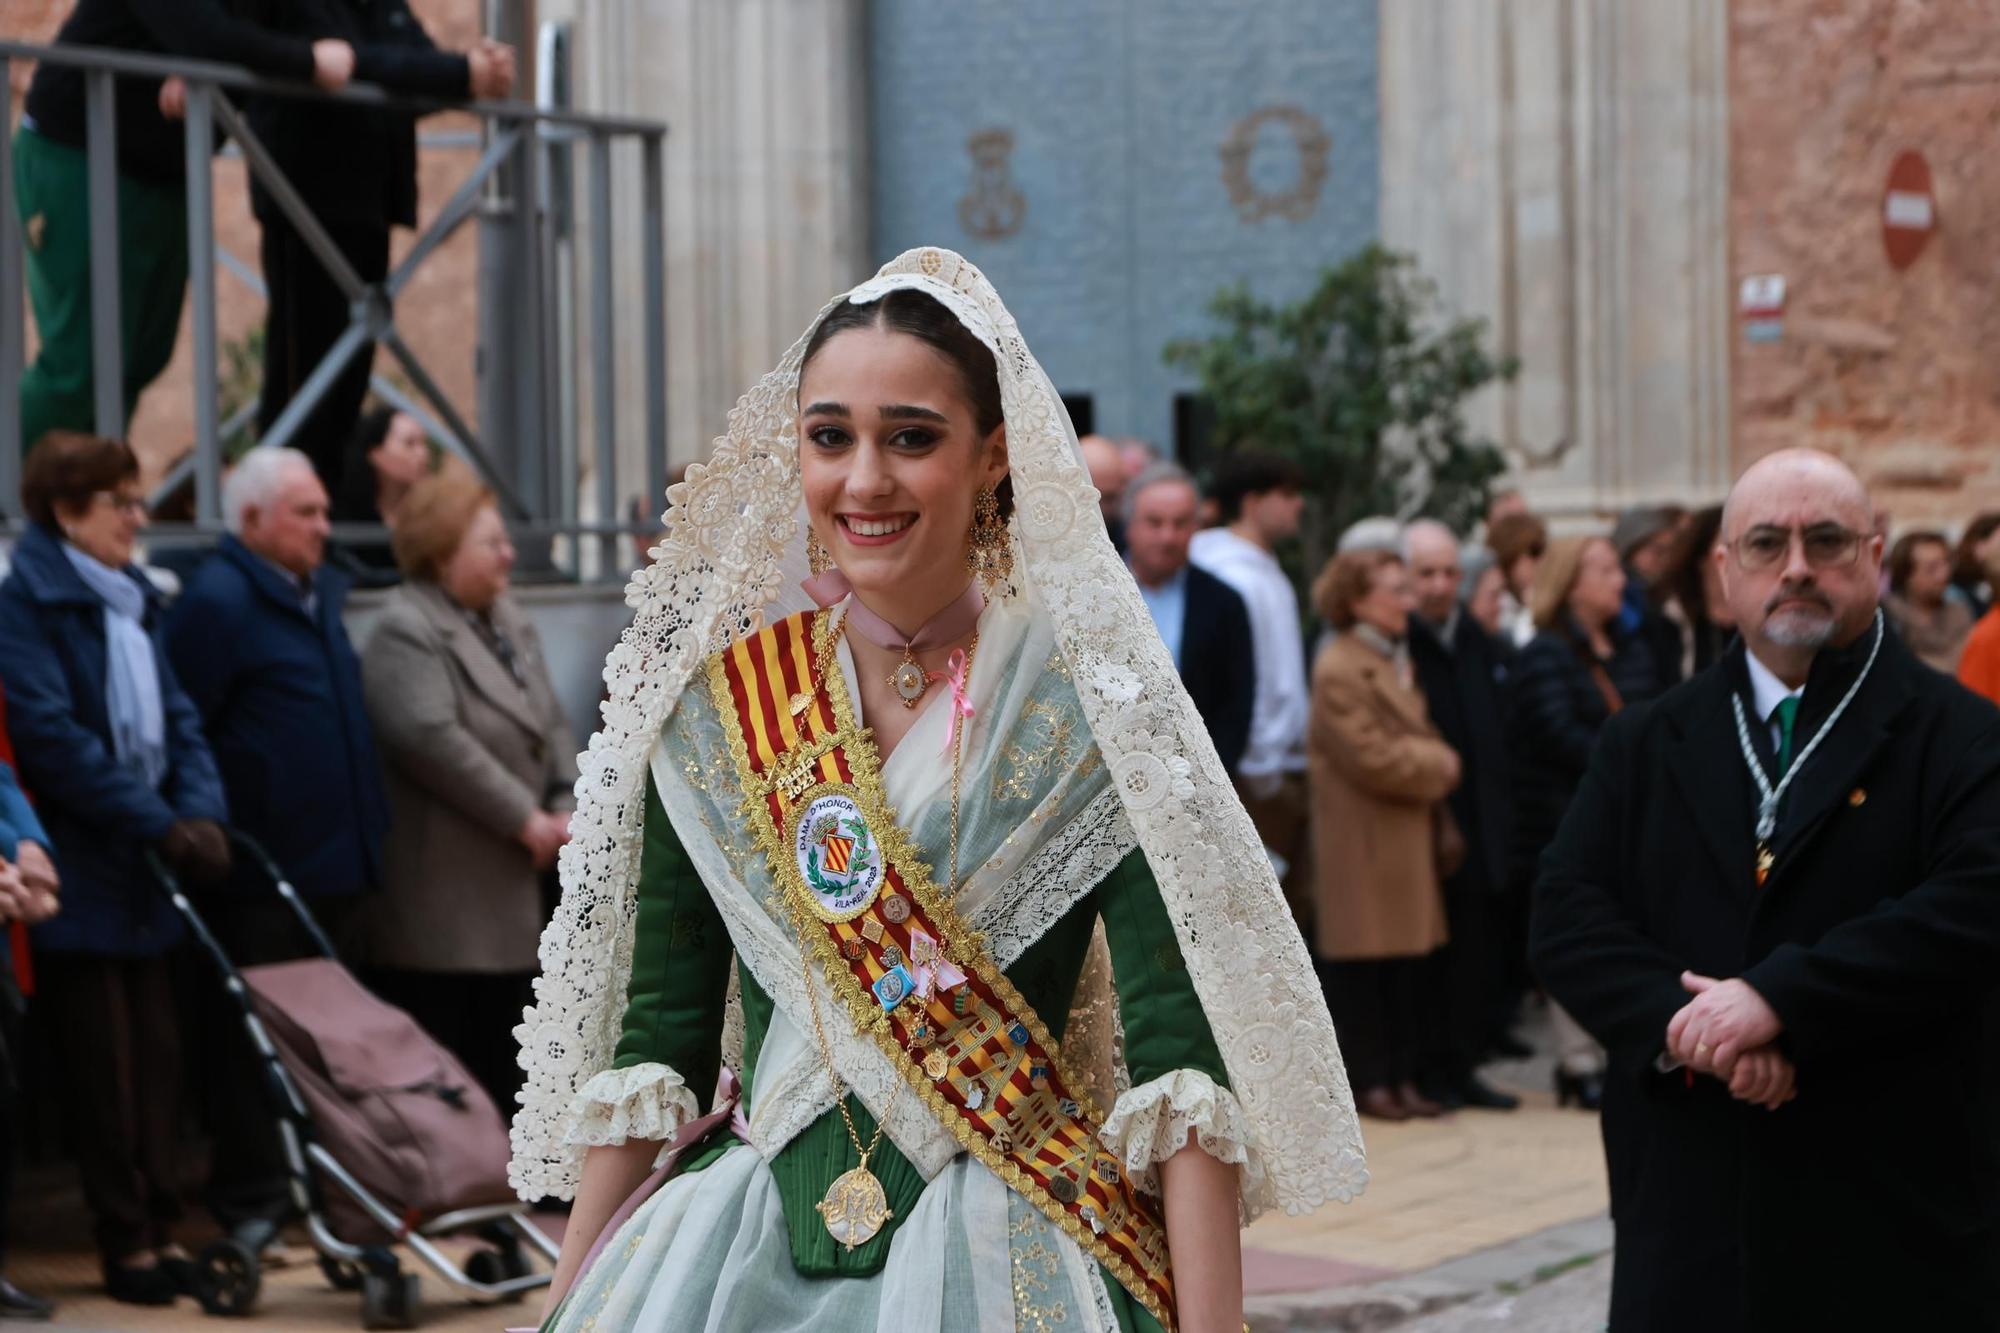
[[114, 753], [28, 895]]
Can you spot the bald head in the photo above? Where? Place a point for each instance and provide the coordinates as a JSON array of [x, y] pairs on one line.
[[1801, 565], [1431, 550], [1791, 477], [1107, 471]]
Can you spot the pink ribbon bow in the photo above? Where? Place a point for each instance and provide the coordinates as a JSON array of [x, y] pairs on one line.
[[961, 707], [940, 973]]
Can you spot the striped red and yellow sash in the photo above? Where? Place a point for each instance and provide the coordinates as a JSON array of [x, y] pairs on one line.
[[894, 952]]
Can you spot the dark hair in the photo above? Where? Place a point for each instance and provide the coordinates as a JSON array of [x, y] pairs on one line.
[[924, 317], [1966, 567], [67, 467], [1347, 580], [1515, 535], [354, 500], [1683, 579], [1903, 555], [1248, 472]]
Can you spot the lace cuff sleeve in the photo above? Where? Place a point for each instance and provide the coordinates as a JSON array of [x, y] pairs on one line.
[[648, 1101], [1151, 1123]]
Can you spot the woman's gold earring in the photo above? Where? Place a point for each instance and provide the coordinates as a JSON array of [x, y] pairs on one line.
[[989, 555], [818, 561]]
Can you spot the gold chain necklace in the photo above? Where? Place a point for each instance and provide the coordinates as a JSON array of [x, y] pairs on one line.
[[855, 1205]]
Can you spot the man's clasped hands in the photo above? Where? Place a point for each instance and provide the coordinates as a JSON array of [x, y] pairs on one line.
[[1727, 1031]]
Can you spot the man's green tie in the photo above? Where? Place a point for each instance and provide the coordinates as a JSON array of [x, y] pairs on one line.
[[1787, 712]]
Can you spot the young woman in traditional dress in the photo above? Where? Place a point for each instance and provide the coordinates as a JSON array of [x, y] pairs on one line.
[[936, 856]]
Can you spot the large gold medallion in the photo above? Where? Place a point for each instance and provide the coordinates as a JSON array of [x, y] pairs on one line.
[[855, 1207]]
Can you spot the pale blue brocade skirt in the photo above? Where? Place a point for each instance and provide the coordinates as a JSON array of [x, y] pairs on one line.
[[710, 1253]]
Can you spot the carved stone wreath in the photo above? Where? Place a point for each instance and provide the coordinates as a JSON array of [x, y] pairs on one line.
[[1313, 144]]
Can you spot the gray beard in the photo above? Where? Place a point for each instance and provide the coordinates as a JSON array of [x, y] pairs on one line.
[[1790, 629]]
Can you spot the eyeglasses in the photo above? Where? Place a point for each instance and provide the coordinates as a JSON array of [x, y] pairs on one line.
[[124, 504], [1827, 546]]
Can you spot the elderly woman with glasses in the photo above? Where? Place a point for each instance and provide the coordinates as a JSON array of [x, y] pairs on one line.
[[113, 751], [480, 765]]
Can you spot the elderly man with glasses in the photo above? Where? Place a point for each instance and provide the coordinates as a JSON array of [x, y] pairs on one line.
[[1776, 901]]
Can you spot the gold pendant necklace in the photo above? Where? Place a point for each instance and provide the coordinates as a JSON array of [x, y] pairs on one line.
[[855, 1207], [909, 680]]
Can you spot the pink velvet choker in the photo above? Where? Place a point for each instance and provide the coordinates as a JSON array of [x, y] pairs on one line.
[[950, 625]]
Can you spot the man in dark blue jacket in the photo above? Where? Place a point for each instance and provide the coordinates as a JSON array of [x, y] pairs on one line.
[[258, 641]]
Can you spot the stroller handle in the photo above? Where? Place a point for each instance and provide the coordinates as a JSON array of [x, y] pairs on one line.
[[266, 865]]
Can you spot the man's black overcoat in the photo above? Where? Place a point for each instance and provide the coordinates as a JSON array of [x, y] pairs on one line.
[[1869, 1202], [1218, 664]]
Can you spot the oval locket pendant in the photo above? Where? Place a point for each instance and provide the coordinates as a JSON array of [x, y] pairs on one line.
[[909, 682], [855, 1207]]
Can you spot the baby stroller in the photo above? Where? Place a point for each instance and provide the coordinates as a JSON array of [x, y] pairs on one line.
[[386, 1137]]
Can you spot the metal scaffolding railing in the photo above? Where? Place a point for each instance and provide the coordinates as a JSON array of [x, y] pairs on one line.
[[523, 188]]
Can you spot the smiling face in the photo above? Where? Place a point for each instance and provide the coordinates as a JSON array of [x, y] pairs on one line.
[[106, 528], [890, 460]]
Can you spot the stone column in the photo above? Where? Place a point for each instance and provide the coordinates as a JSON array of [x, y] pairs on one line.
[[766, 178], [1560, 167]]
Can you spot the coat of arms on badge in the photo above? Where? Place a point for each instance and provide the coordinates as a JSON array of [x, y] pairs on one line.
[[838, 857]]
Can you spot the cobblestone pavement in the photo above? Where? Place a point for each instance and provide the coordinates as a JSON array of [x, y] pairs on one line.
[[1572, 1302]]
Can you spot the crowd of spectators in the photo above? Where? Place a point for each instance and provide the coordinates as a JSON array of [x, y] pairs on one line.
[[1407, 771], [415, 794]]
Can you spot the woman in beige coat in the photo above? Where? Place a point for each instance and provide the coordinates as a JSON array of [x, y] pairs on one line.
[[480, 764], [1379, 771]]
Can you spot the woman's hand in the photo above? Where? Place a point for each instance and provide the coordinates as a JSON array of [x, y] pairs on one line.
[[37, 867], [543, 835], [15, 900], [198, 849]]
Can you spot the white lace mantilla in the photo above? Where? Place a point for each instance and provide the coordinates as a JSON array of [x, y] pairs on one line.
[[731, 560]]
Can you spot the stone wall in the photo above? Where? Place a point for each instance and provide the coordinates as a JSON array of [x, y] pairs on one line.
[[1559, 167], [1898, 372], [436, 312], [1111, 166]]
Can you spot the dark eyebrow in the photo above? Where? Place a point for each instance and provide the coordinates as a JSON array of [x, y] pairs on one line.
[[828, 410], [910, 412]]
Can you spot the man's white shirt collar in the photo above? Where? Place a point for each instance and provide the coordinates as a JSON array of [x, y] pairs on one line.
[[1766, 690]]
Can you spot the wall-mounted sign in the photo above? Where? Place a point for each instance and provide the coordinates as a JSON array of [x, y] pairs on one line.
[[1309, 137], [1761, 301], [1909, 209], [992, 209]]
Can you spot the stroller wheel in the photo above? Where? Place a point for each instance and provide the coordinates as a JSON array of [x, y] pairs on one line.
[[390, 1300], [227, 1279], [340, 1274], [488, 1267]]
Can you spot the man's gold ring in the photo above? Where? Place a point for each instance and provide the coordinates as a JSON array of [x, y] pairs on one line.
[[1701, 1048]]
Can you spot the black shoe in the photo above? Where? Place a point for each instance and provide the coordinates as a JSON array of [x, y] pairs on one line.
[[1507, 1046], [1585, 1090], [182, 1271], [1483, 1096], [1443, 1091], [18, 1304], [140, 1286]]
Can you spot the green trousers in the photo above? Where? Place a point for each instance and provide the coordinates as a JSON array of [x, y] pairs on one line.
[[52, 192]]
